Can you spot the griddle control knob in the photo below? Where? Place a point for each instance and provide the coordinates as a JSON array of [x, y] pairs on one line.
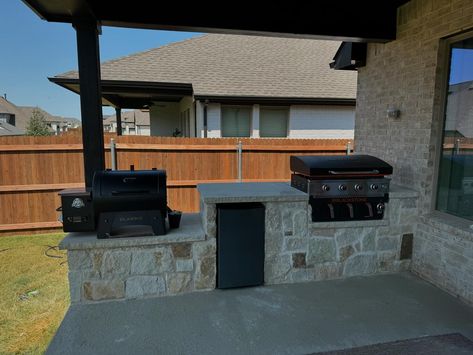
[[374, 187], [358, 187], [380, 208], [325, 187], [342, 187]]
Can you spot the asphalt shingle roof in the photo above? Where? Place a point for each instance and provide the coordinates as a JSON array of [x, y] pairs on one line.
[[236, 65], [9, 130]]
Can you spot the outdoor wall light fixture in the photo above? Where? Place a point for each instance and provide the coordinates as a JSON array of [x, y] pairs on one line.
[[393, 113]]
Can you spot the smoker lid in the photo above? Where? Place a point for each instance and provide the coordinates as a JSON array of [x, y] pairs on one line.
[[339, 165], [128, 182], [81, 191]]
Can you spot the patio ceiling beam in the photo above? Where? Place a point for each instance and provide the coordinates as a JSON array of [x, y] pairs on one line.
[[90, 98], [348, 20]]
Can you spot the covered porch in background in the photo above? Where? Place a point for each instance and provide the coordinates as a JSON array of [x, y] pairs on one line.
[[170, 106]]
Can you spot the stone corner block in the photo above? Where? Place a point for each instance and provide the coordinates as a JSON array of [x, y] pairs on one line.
[[103, 290], [138, 286], [178, 282]]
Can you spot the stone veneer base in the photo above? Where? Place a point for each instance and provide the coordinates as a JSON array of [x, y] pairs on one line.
[[296, 249], [102, 269]]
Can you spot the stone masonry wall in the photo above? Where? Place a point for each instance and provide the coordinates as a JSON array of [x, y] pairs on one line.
[[134, 272], [297, 250], [444, 256], [408, 74], [405, 74]]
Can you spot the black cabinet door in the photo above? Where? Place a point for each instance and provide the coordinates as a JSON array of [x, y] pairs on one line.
[[240, 245]]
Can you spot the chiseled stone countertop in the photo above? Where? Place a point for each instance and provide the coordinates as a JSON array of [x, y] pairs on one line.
[[396, 191], [250, 192], [190, 230]]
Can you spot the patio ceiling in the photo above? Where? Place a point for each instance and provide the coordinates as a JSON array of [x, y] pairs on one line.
[[361, 21], [132, 94]]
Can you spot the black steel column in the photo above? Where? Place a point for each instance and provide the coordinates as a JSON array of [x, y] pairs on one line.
[[90, 98], [118, 113]]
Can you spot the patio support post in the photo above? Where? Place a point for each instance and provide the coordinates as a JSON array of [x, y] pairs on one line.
[[118, 113], [90, 98]]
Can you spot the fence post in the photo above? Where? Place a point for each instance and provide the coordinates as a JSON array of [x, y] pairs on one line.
[[239, 158], [348, 148], [113, 154], [456, 147]]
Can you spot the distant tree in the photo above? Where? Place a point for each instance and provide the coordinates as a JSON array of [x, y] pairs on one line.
[[37, 124]]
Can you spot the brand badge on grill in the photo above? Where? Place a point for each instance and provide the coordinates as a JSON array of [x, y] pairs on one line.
[[77, 203]]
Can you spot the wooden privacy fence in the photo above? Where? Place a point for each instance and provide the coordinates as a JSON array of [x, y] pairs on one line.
[[34, 169]]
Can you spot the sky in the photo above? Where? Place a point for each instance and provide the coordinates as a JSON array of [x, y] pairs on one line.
[[461, 66], [31, 50]]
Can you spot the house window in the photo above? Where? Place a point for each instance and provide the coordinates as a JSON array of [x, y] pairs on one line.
[[455, 176], [236, 121], [5, 117], [273, 121]]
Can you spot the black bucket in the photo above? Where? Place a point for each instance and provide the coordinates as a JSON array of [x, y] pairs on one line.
[[174, 219]]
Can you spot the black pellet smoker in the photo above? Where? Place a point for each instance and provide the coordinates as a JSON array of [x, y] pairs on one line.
[[121, 203]]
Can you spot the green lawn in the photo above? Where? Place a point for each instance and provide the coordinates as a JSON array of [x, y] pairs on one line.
[[34, 292]]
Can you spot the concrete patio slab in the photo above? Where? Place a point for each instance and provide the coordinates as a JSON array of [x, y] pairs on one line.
[[283, 319]]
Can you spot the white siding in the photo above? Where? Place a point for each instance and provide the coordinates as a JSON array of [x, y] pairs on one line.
[[199, 107], [143, 131], [213, 120], [305, 121], [321, 121]]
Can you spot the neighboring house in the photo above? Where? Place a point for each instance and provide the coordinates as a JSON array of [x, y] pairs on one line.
[[18, 116], [134, 122], [7, 129], [57, 124], [231, 85], [8, 112]]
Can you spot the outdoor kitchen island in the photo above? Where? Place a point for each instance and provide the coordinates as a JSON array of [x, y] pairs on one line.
[[298, 250], [295, 248]]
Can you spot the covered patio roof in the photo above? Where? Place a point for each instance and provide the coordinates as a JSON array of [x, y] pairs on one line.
[[131, 94], [368, 20]]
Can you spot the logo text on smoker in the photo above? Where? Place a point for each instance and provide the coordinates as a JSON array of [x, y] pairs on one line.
[[77, 203]]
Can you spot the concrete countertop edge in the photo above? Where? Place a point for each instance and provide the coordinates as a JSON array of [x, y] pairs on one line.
[[244, 199]]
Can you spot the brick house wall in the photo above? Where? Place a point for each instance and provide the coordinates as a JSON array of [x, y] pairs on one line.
[[408, 74]]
